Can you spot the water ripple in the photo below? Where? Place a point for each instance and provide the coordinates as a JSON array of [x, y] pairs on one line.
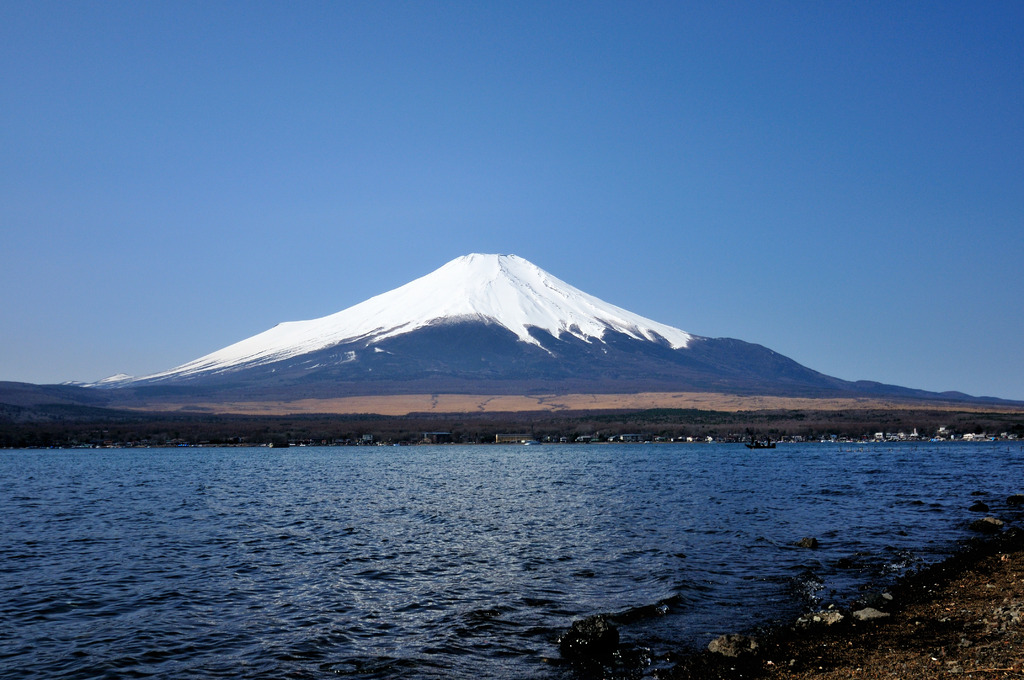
[[440, 561]]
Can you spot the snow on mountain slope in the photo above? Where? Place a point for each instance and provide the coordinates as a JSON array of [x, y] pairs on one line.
[[501, 289]]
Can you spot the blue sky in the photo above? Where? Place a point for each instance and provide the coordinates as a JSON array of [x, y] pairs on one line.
[[840, 182]]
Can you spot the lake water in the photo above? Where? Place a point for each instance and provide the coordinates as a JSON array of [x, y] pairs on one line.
[[455, 561]]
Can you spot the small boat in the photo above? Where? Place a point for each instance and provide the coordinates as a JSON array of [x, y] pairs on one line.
[[760, 444]]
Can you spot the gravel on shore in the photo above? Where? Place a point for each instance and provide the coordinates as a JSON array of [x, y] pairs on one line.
[[961, 618]]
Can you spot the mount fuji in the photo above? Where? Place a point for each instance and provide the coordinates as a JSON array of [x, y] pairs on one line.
[[488, 324]]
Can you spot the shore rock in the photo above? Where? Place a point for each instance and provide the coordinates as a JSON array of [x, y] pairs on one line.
[[869, 614], [732, 645], [988, 525], [592, 638], [827, 617]]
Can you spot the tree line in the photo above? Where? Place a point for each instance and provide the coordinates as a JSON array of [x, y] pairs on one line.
[[95, 429]]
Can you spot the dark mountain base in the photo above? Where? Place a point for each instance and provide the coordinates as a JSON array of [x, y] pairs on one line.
[[480, 358]]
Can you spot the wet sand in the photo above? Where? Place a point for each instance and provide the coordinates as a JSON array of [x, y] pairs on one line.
[[962, 618]]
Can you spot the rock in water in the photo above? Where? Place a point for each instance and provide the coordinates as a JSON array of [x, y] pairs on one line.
[[989, 525], [876, 600], [808, 542], [732, 645], [592, 638]]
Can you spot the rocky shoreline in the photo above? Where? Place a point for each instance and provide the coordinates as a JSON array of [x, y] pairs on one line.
[[962, 617]]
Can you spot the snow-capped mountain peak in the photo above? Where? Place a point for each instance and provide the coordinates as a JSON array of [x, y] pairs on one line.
[[485, 325], [497, 289]]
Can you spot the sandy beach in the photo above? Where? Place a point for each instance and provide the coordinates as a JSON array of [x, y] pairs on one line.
[[961, 618]]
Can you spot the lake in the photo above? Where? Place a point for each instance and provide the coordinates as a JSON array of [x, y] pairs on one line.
[[451, 561]]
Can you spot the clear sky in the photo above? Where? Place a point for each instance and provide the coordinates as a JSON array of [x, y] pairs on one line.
[[842, 182]]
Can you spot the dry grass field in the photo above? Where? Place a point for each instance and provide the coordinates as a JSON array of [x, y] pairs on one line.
[[402, 405]]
